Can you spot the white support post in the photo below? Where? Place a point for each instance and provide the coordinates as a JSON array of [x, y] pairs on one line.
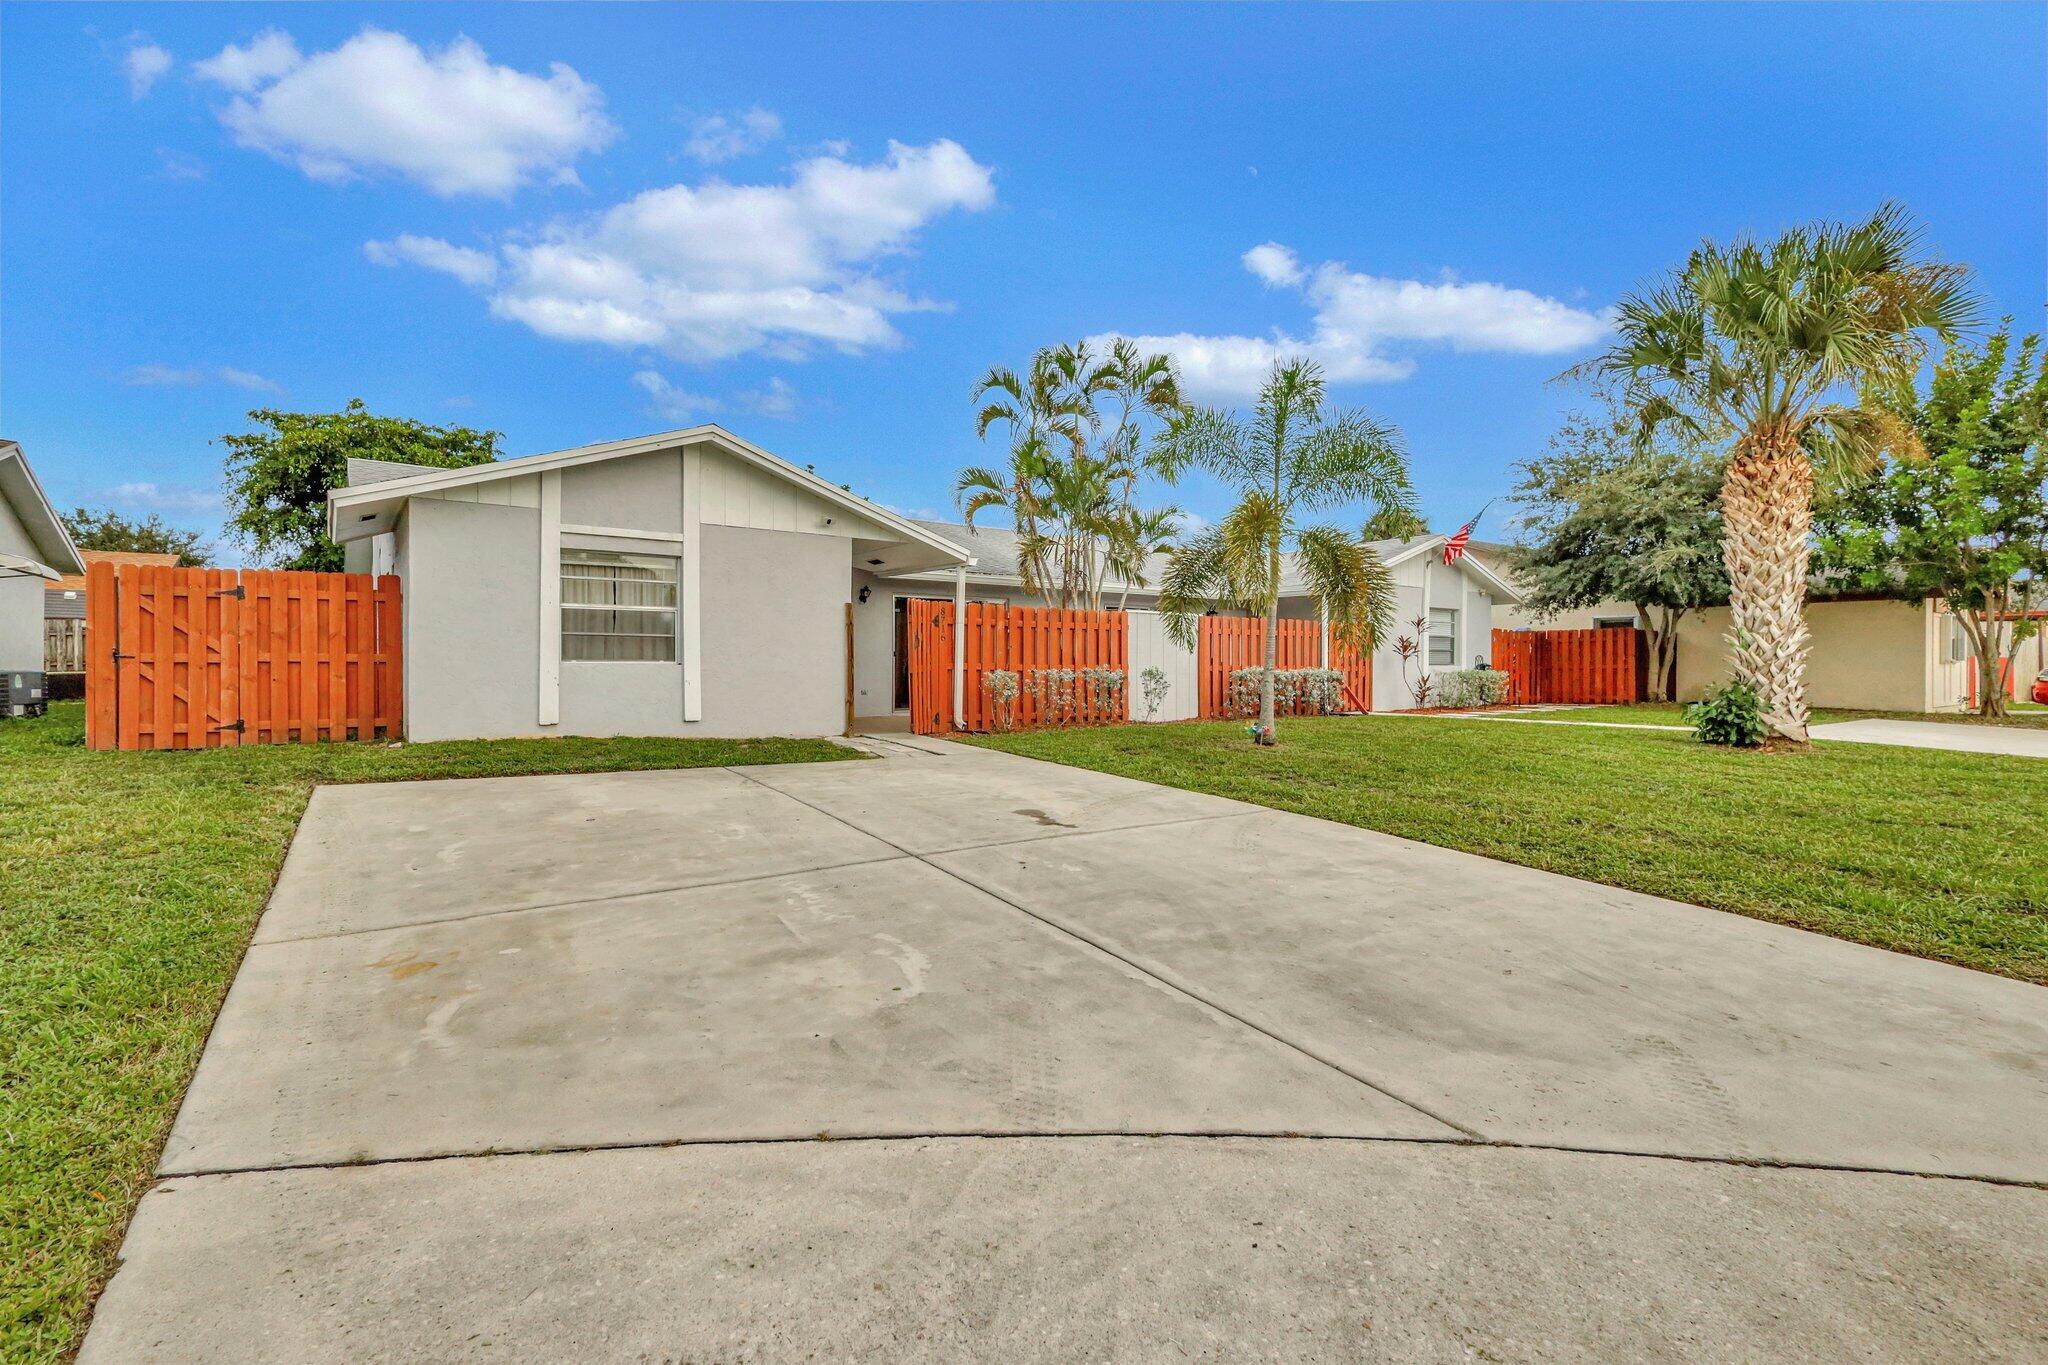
[[690, 630], [960, 647], [1323, 616], [550, 707]]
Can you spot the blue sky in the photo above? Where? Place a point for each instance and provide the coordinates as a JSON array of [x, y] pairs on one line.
[[820, 225]]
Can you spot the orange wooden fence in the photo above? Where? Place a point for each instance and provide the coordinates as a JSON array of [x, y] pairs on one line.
[[1229, 643], [1603, 665], [1025, 641], [207, 658]]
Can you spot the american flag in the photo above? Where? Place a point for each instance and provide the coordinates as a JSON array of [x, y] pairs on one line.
[[1454, 548]]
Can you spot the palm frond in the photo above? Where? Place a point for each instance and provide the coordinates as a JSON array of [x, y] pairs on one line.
[[1352, 584]]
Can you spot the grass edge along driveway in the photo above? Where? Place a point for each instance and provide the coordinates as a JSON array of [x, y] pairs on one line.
[[129, 886], [1919, 851]]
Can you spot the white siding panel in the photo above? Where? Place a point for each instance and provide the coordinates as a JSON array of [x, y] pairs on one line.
[[1152, 647], [735, 493]]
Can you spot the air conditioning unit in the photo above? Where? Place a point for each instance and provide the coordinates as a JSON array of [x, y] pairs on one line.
[[23, 693]]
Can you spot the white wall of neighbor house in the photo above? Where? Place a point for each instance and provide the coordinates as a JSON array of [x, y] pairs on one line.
[[1584, 618], [1879, 656], [1471, 632], [21, 597], [772, 567]]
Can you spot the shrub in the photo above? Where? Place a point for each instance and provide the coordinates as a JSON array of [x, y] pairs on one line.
[[1728, 715], [1471, 687], [1296, 691], [1156, 685], [1001, 686], [1066, 695]]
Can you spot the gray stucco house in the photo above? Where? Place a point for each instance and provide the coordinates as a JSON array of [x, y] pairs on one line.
[[684, 583], [35, 550], [691, 583]]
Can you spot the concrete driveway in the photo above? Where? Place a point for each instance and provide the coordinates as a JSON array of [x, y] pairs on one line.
[[953, 1053], [2015, 740]]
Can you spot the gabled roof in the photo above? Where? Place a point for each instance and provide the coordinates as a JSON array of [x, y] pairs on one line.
[[385, 491], [55, 554], [1502, 587]]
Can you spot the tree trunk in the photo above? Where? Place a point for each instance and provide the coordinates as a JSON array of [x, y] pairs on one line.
[[1767, 505], [1987, 643], [1272, 659], [1660, 639]]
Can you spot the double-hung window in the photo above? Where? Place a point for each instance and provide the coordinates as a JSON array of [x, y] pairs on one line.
[[1443, 637], [618, 607]]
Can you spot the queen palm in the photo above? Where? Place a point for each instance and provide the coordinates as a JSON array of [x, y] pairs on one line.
[[1789, 347], [1288, 460], [1046, 418]]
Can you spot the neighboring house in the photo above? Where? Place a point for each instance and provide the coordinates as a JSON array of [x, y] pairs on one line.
[[691, 583], [1457, 601], [35, 550], [64, 610], [1868, 652]]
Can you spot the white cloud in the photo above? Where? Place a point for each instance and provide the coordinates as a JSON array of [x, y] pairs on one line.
[[717, 270], [144, 65], [192, 376], [670, 403], [176, 165], [777, 399], [1357, 315], [449, 120], [719, 138], [269, 55], [472, 267], [1274, 263], [155, 497]]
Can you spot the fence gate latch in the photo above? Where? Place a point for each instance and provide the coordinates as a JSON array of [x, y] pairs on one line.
[[234, 592], [238, 726]]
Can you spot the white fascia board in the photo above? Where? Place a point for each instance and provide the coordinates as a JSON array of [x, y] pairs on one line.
[[435, 481], [18, 483]]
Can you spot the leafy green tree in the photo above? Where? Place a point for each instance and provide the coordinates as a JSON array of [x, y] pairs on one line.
[[1287, 461], [1077, 454], [1968, 522], [1784, 346], [1394, 523], [1605, 519], [278, 476], [104, 529]]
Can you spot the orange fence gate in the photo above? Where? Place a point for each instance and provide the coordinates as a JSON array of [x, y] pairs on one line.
[[206, 658], [1229, 643], [1602, 665], [1047, 653]]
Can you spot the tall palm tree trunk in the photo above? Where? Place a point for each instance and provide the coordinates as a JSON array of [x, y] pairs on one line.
[[1767, 506], [1272, 642]]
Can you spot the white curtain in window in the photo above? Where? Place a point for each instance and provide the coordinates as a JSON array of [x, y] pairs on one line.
[[1443, 637], [618, 607]]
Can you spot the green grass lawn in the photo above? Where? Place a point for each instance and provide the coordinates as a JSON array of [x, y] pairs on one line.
[[1916, 850], [2025, 716], [129, 886]]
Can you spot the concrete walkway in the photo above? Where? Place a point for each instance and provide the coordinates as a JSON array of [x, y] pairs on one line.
[[538, 1068], [1923, 734]]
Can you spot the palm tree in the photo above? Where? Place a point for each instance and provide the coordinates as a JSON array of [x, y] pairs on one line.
[[1287, 460], [1066, 491], [1132, 538], [1790, 347], [1045, 423]]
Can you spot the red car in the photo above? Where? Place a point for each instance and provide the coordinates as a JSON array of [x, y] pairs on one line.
[[2041, 687]]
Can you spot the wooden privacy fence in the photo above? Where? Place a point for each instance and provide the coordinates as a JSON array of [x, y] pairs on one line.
[[206, 658], [1603, 665], [1229, 643], [1035, 644]]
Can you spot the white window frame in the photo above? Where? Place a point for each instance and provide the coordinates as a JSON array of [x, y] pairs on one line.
[[1429, 641], [671, 564]]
